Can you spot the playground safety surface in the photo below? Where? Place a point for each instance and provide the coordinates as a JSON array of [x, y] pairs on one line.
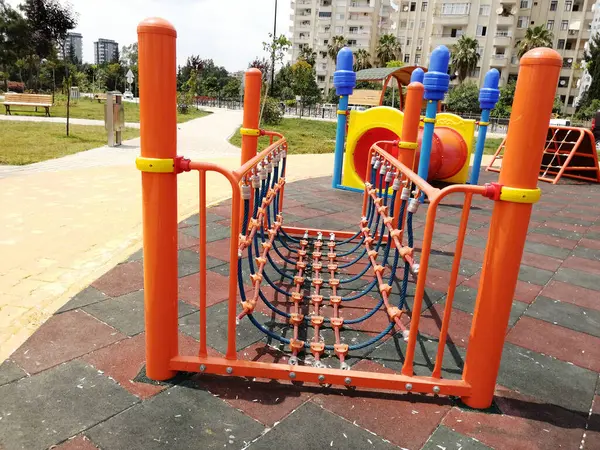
[[79, 382]]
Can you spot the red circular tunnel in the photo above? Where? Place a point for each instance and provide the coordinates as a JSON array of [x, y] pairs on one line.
[[448, 151]]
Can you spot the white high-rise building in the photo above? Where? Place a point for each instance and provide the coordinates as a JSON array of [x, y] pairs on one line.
[[498, 25], [105, 51], [586, 78], [315, 22], [73, 45]]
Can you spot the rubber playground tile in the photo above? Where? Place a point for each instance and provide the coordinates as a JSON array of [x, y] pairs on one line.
[[566, 315], [86, 297], [188, 262], [524, 292], [214, 231], [79, 442], [126, 313], [534, 275], [458, 330], [562, 343], [122, 279], [591, 255], [122, 362], [391, 354], [582, 264], [430, 296], [211, 216], [555, 241], [10, 372], [314, 427], [544, 378], [136, 256], [328, 207], [541, 261], [569, 293], [187, 241], [578, 278], [545, 249], [216, 330], [50, 407], [62, 338], [524, 423], [218, 249], [468, 268], [325, 223], [181, 417], [217, 288], [444, 437], [476, 241], [587, 244], [439, 279]]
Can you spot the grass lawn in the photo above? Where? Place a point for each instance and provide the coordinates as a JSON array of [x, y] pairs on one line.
[[87, 108], [30, 142], [304, 136], [315, 136]]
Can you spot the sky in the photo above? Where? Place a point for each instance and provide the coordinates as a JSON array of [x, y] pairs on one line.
[[230, 32]]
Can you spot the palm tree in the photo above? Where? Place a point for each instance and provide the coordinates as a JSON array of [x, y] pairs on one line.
[[464, 57], [388, 49], [538, 36], [335, 45], [362, 60], [307, 54]]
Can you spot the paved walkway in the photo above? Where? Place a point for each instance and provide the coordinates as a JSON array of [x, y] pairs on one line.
[[72, 120], [65, 222], [80, 381]]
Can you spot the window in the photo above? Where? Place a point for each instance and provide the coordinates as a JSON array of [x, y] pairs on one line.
[[328, 27], [417, 59], [576, 7], [563, 99], [481, 30], [424, 6], [564, 25], [550, 24], [561, 44], [563, 82], [403, 24], [420, 43], [523, 22], [455, 9], [421, 24], [413, 6], [553, 5], [406, 58], [568, 5], [321, 78], [408, 42], [351, 42], [567, 62], [324, 14], [339, 30], [525, 4], [411, 24], [353, 30], [476, 72], [571, 99], [325, 41], [339, 17], [569, 45], [484, 10], [514, 59]]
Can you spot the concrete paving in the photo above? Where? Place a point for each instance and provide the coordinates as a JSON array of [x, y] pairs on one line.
[[66, 221], [72, 120]]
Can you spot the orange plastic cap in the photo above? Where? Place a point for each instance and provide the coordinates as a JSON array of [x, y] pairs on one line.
[[541, 56], [156, 25]]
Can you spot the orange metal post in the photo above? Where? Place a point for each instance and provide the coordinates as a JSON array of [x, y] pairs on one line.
[[532, 107], [253, 81], [158, 120]]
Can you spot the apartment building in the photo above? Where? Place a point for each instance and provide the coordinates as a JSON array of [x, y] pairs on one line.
[[315, 22], [586, 79], [73, 45], [497, 25], [105, 51]]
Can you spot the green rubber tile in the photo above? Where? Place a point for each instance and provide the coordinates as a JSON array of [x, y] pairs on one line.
[[86, 297], [588, 253], [566, 315], [179, 418], [547, 379], [10, 372], [534, 275], [188, 262], [547, 250], [214, 231], [445, 438], [565, 234], [583, 279], [468, 268]]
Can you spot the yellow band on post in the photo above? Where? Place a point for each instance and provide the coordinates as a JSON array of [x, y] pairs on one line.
[[155, 165], [517, 195], [428, 120], [409, 145], [342, 112], [249, 132], [483, 124]]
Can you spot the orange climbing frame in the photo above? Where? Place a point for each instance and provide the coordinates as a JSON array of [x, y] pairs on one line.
[[513, 198]]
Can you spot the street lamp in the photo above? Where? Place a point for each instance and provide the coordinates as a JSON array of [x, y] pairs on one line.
[[273, 49]]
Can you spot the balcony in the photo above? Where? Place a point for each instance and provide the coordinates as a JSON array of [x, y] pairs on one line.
[[443, 39], [302, 39], [359, 21], [324, 33], [505, 20], [503, 39], [498, 60], [324, 9], [451, 19], [360, 7]]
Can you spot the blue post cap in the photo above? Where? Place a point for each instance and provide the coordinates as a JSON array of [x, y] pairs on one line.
[[344, 77], [489, 93], [417, 75], [437, 80]]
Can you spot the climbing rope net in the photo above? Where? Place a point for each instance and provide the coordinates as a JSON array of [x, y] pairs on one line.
[[383, 243]]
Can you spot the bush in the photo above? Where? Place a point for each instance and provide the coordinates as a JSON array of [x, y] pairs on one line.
[[271, 112], [589, 111], [16, 86], [184, 102], [463, 98]]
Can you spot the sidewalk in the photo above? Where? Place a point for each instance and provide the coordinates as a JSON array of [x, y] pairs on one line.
[[64, 222], [72, 120]]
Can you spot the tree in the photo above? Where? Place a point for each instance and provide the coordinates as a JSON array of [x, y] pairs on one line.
[[277, 47], [504, 106], [362, 60], [114, 73], [262, 64], [336, 43], [394, 63], [283, 84], [14, 39], [591, 60], [464, 57], [538, 36], [232, 90], [304, 84], [308, 54], [129, 55], [463, 98], [388, 49]]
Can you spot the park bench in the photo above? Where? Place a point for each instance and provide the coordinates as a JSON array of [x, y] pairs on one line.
[[100, 97], [37, 100]]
